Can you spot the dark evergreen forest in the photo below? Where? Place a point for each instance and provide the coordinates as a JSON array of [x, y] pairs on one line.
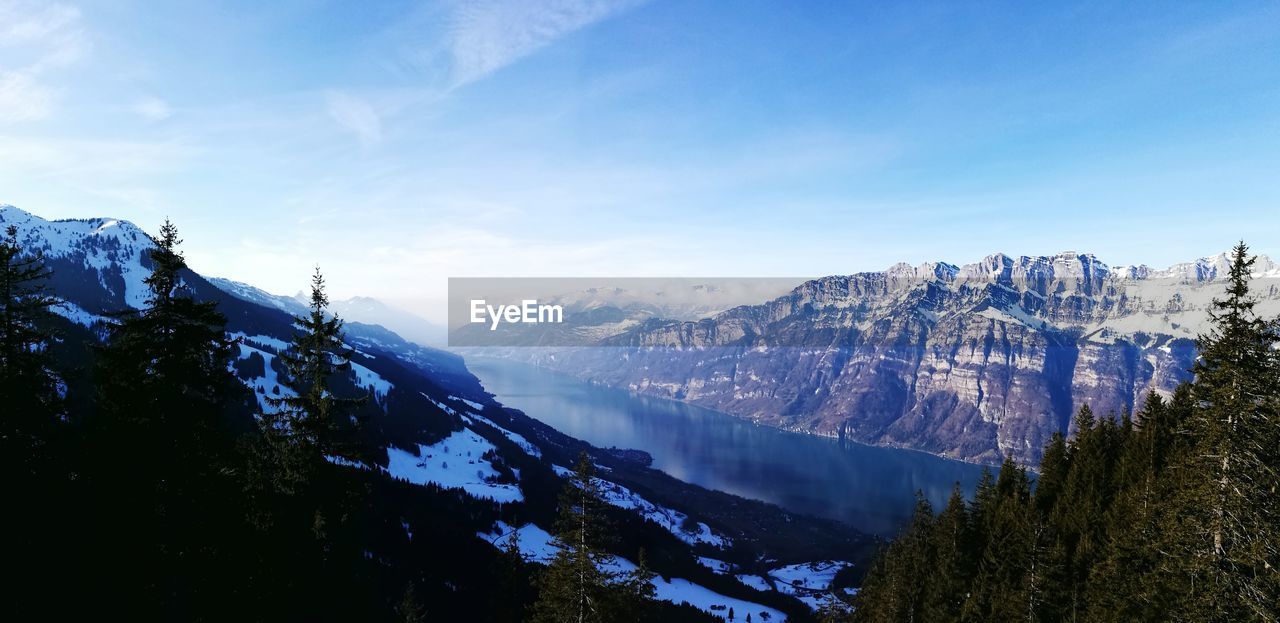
[[146, 482], [1168, 514]]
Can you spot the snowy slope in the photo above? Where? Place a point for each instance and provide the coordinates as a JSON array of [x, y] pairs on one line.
[[459, 461], [538, 545], [673, 520], [111, 252], [432, 419], [358, 308]]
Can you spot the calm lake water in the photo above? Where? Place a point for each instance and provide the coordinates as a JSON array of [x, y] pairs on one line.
[[870, 488]]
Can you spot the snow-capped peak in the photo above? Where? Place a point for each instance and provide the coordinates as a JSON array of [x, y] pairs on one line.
[[112, 249]]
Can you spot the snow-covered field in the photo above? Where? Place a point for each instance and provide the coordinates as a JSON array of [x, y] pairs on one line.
[[371, 381], [515, 438], [536, 544], [453, 462], [470, 403], [77, 314], [809, 582], [719, 566], [672, 520], [275, 345], [268, 385]]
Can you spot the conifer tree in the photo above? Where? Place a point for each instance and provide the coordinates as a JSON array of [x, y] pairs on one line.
[[1053, 589], [1004, 587], [635, 588], [162, 439], [28, 388], [309, 512], [1118, 586], [512, 580], [575, 586], [1053, 474], [410, 608], [949, 577], [1078, 516], [316, 419], [832, 610], [35, 461], [899, 591], [1227, 539], [981, 513]]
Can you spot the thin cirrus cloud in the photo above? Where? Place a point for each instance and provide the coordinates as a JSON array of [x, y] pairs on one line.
[[355, 115], [23, 98], [471, 40], [483, 37], [153, 108], [35, 39]]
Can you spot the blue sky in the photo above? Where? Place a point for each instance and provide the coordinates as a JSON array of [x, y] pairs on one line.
[[400, 143]]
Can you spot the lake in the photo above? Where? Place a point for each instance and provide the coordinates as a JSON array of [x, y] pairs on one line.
[[870, 488]]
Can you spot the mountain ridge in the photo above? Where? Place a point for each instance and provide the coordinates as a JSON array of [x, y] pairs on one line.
[[424, 403], [971, 362]]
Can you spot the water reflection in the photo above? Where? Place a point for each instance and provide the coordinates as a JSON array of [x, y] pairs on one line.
[[870, 488]]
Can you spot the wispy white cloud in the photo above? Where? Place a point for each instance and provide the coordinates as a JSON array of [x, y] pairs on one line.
[[356, 115], [23, 98], [35, 37], [483, 37], [26, 22], [152, 108], [87, 160]]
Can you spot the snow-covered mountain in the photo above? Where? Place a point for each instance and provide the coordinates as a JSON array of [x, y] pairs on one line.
[[436, 426], [970, 362], [360, 309]]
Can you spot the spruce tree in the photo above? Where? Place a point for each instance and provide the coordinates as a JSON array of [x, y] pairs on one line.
[[316, 419], [1227, 527], [309, 512], [899, 588], [635, 589], [1053, 474], [512, 581], [36, 462], [981, 514], [949, 577], [410, 608], [1119, 585], [575, 586], [1078, 517], [832, 610], [28, 387], [1005, 584], [162, 442]]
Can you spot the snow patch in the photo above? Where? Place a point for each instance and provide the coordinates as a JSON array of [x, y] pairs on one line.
[[263, 341], [470, 403], [371, 380], [809, 582], [515, 438], [719, 566], [673, 520], [455, 463], [537, 545], [77, 314], [268, 385]]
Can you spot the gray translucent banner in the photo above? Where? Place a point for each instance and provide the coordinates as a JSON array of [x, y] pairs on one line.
[[893, 309], [586, 311]]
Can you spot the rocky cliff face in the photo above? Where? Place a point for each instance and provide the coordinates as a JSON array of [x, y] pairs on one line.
[[971, 362]]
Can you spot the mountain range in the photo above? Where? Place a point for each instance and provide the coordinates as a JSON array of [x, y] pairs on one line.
[[360, 309], [972, 362], [432, 425]]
